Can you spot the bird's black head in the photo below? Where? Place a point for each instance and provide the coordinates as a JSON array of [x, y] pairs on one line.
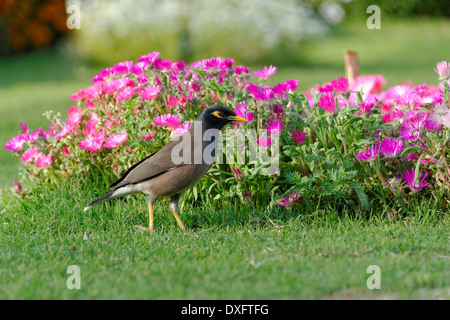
[[216, 117]]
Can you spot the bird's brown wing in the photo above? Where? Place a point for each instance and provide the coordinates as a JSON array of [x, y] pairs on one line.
[[150, 167]]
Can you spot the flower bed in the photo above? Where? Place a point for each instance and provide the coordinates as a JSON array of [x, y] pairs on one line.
[[354, 144]]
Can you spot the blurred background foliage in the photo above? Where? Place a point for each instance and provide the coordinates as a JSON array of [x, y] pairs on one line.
[[251, 31], [31, 24]]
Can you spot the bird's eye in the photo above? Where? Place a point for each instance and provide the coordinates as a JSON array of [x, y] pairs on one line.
[[219, 114]]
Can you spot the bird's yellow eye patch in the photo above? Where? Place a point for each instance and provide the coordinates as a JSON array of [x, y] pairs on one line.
[[218, 114]]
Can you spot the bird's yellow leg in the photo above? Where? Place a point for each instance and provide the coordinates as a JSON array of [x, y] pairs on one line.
[[177, 217], [151, 225]]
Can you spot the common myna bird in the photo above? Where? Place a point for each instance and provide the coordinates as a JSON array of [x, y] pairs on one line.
[[166, 173]]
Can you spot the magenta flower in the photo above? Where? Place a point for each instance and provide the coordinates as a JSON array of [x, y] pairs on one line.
[[15, 144], [340, 85], [265, 73], [162, 65], [365, 107], [115, 140], [74, 119], [18, 186], [24, 127], [150, 92], [327, 103], [274, 127], [408, 177], [147, 136], [169, 120], [47, 133], [123, 67], [442, 116], [237, 174], [32, 136], [44, 161], [390, 147], [291, 85], [138, 69], [91, 124], [264, 142], [125, 94], [369, 155], [66, 151], [149, 59], [29, 155], [298, 136], [182, 128], [288, 201], [65, 130], [264, 93], [443, 70], [94, 142]]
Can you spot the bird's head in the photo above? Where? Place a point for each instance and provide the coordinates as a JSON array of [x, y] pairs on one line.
[[218, 116]]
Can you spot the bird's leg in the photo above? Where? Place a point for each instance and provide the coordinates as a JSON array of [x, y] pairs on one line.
[[173, 207], [151, 224]]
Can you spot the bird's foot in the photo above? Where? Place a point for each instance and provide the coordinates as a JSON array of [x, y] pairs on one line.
[[151, 230]]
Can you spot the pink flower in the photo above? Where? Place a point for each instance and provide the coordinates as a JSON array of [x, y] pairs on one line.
[[44, 161], [241, 70], [298, 136], [94, 142], [18, 186], [291, 85], [123, 67], [265, 73], [115, 140], [15, 144], [162, 65], [368, 84], [125, 94], [24, 127], [264, 142], [90, 125], [390, 147], [65, 130], [149, 59], [443, 70], [32, 136], [29, 155], [340, 85], [182, 128], [66, 151], [150, 92], [327, 103], [369, 155], [288, 201], [442, 116], [238, 175], [365, 107], [147, 136], [47, 133], [274, 127], [249, 116], [169, 120], [74, 119], [409, 178]]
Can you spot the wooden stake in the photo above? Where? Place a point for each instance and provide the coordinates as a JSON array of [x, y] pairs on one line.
[[351, 65]]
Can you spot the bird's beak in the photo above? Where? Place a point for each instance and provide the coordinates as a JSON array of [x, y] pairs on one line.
[[237, 118]]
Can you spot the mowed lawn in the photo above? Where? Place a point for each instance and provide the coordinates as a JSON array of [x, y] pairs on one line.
[[232, 252]]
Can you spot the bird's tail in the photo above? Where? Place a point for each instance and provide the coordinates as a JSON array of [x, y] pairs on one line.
[[105, 197], [122, 191]]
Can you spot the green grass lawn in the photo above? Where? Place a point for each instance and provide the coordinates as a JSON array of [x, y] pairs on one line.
[[228, 253], [232, 252]]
